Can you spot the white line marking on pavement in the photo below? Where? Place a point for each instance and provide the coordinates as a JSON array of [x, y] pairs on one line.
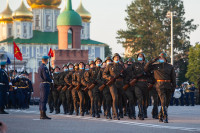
[[114, 121]]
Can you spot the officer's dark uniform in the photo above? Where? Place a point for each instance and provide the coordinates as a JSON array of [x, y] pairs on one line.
[[111, 71], [50, 97], [76, 81], [24, 87], [192, 90], [68, 81], [4, 86], [165, 77], [45, 82]]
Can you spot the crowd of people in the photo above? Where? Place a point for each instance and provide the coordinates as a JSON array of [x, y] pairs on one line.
[[18, 92], [112, 86], [85, 88]]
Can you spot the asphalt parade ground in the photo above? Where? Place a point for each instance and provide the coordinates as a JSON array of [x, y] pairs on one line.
[[182, 119]]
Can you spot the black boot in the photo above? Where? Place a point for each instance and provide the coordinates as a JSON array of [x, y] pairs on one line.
[[44, 116], [155, 112], [145, 112], [141, 112], [2, 111], [160, 115], [165, 115]]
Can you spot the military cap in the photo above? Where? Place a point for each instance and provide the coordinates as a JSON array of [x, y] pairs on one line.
[[98, 59], [116, 54], [131, 60], [45, 57], [65, 65], [24, 72], [108, 58], [56, 67], [3, 63], [163, 54], [91, 62], [76, 64], [70, 64]]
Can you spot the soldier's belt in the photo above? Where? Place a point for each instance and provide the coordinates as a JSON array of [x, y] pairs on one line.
[[163, 80], [119, 79], [46, 82], [2, 84], [142, 80], [23, 87]]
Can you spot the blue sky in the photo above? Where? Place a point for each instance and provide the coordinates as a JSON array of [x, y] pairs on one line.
[[108, 17]]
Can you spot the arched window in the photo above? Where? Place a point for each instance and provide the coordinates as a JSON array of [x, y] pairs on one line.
[[70, 38]]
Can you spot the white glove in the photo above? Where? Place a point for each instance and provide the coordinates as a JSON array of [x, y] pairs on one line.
[[32, 93], [15, 88], [52, 81], [10, 83], [8, 93]]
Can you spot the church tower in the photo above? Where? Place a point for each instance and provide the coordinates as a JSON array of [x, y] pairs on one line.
[[6, 23], [86, 17], [22, 25], [45, 13]]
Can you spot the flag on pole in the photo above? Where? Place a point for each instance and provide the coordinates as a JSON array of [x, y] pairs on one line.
[[17, 52], [51, 54], [8, 60]]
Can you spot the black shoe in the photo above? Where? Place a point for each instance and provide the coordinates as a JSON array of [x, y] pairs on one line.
[[3, 112], [121, 115], [82, 114], [97, 116], [43, 116], [70, 113], [93, 115]]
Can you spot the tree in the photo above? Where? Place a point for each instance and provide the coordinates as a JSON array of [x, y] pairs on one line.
[[148, 28], [193, 69], [108, 51]]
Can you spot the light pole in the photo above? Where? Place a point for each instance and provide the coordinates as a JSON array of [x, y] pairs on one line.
[[171, 15]]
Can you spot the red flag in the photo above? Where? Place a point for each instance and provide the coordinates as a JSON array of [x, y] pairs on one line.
[[51, 54], [17, 52]]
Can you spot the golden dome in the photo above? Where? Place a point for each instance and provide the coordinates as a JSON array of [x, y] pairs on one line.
[[6, 15], [22, 13], [44, 3], [85, 15]]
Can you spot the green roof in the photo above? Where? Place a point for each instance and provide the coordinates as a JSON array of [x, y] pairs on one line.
[[69, 17], [46, 38]]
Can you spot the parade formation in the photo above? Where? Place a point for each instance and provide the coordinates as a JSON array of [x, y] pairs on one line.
[[113, 85]]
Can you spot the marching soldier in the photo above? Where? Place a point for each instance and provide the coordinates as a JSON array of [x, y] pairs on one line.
[[141, 86], [68, 81], [63, 92], [114, 72], [45, 84], [165, 77], [86, 81], [192, 90], [4, 86], [50, 97], [106, 92], [76, 81], [56, 89]]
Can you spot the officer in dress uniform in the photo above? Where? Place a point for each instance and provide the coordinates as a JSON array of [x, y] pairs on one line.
[[165, 77], [4, 86], [45, 84], [192, 90]]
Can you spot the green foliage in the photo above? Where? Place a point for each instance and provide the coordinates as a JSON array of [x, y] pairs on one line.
[[193, 71], [108, 51], [149, 29]]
